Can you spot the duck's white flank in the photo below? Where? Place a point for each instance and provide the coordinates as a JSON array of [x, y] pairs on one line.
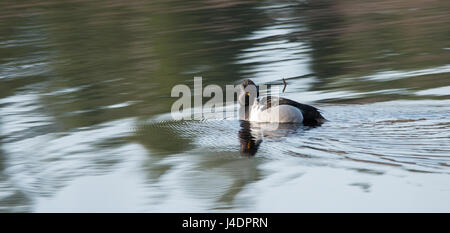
[[280, 113]]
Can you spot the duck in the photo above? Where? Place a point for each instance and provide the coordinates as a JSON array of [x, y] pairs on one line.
[[274, 109]]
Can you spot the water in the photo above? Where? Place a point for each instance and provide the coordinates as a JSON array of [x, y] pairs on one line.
[[85, 106]]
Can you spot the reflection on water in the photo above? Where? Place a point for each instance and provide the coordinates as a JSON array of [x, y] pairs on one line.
[[85, 101], [251, 134], [248, 139]]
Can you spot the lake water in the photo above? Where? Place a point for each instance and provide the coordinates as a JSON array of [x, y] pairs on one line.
[[85, 105]]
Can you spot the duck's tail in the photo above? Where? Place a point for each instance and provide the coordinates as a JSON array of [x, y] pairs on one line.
[[312, 117]]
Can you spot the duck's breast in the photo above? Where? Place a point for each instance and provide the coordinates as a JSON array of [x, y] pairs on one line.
[[280, 113]]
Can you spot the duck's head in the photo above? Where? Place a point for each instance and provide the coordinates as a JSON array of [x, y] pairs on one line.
[[248, 92]]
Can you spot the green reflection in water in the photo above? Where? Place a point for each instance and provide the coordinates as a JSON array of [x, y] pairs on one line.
[[88, 63]]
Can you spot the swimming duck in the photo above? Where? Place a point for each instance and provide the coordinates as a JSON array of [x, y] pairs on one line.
[[275, 109]]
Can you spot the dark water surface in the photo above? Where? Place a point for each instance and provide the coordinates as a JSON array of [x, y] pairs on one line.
[[85, 106]]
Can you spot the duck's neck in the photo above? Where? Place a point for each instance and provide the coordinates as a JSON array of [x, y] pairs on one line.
[[244, 112]]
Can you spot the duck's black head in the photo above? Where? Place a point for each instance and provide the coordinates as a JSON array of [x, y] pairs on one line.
[[248, 82], [249, 91]]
